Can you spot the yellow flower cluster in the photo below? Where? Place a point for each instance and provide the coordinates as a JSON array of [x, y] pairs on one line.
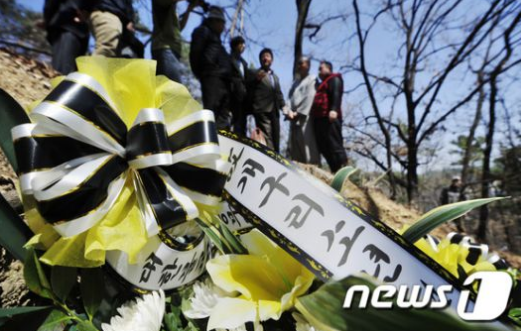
[[264, 283]]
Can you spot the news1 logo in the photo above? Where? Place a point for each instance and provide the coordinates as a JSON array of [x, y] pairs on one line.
[[491, 301]]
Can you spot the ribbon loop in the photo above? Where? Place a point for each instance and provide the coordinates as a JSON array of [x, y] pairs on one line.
[[147, 140]]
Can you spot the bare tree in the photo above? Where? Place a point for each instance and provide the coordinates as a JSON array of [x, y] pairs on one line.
[[238, 18], [302, 14], [421, 78], [487, 153]]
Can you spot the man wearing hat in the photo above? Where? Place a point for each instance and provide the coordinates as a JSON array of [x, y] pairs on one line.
[[211, 64]]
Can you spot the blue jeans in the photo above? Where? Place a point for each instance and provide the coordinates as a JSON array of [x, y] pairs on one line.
[[168, 64]]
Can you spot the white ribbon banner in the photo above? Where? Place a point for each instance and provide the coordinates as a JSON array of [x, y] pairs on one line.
[[325, 232]]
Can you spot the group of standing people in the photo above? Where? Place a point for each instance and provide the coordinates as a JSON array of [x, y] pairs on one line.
[[69, 24], [233, 91], [230, 88]]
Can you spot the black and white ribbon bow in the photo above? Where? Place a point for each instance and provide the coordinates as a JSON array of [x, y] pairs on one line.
[[77, 155]]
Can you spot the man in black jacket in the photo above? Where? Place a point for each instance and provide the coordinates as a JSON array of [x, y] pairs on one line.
[[67, 32], [110, 21], [267, 100], [212, 66], [239, 81]]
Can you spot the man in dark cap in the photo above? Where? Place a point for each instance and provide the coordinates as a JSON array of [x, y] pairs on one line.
[[211, 64], [67, 32], [268, 100]]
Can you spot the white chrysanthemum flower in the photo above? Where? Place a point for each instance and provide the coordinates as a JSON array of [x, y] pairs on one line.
[[205, 297], [301, 324], [144, 314]]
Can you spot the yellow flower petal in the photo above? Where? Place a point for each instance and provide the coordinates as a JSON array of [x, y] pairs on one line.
[[268, 278], [269, 310], [249, 275], [260, 245]]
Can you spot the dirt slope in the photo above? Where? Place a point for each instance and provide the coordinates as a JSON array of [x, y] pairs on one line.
[[26, 80]]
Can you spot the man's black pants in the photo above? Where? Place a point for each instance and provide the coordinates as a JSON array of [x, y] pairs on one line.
[[330, 142], [239, 120], [269, 124], [216, 97], [66, 47]]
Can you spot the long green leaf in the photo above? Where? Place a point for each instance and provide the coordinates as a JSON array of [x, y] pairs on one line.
[[442, 214], [225, 241], [56, 321], [10, 312], [341, 176], [23, 318], [14, 233], [35, 276], [91, 286], [12, 114], [63, 280], [324, 310]]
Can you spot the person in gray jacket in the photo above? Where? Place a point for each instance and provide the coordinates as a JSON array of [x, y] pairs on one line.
[[302, 146]]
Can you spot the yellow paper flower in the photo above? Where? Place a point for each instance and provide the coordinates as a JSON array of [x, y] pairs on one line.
[[266, 283], [450, 256]]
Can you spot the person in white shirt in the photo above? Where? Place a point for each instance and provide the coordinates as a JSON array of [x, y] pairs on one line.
[[302, 146]]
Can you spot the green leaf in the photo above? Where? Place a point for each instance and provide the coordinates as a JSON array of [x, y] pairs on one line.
[[56, 321], [63, 280], [86, 326], [10, 312], [515, 315], [324, 310], [173, 322], [225, 241], [341, 176], [92, 286], [15, 233], [442, 214], [23, 318], [35, 276], [12, 114]]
